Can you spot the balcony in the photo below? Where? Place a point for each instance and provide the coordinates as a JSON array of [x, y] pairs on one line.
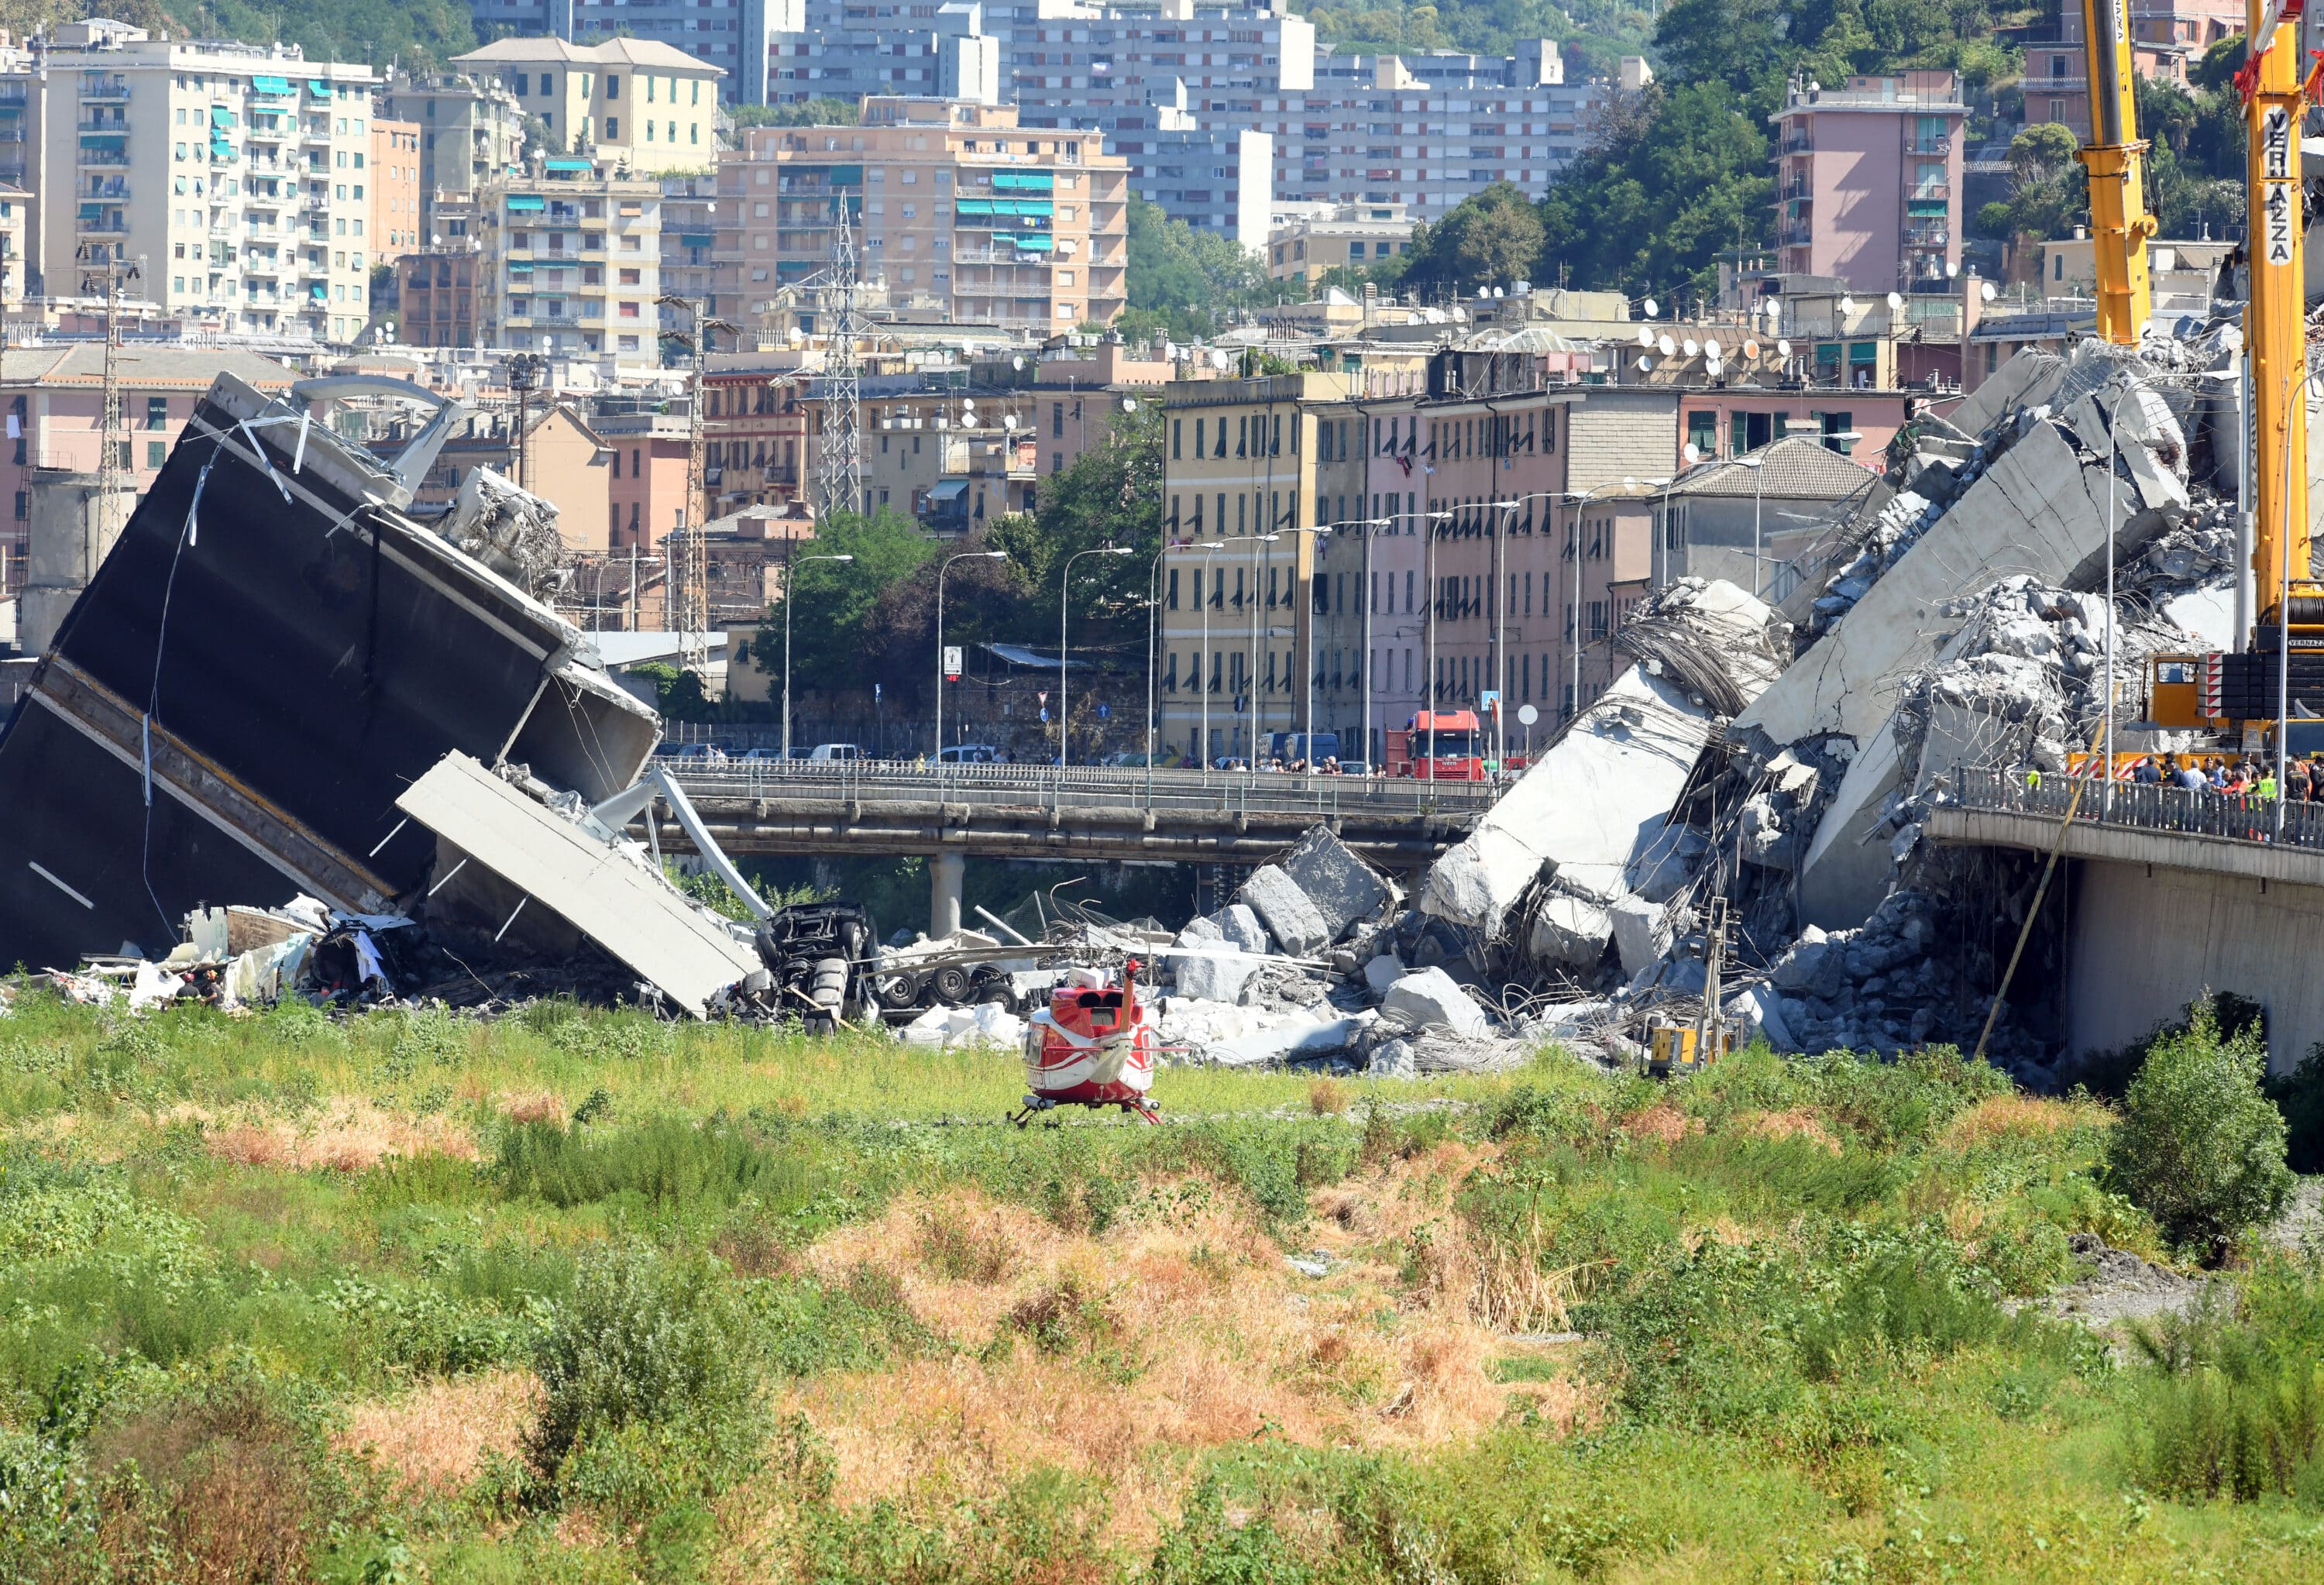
[[115, 123], [1795, 236], [1927, 239], [1931, 192], [1800, 145], [104, 93]]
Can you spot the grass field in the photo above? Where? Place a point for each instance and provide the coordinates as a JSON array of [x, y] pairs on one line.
[[578, 1296]]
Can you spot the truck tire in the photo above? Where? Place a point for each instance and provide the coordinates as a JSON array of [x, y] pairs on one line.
[[950, 984]]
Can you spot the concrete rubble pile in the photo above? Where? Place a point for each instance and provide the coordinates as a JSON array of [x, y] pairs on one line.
[[1961, 626]]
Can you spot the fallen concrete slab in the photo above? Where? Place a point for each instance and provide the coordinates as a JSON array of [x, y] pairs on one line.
[[1595, 801], [1430, 999], [2038, 512], [509, 868], [1340, 885]]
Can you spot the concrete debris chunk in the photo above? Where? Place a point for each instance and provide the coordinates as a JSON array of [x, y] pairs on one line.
[[1595, 800], [1382, 973], [1221, 973], [1392, 1059], [1641, 931], [1239, 927], [1430, 999], [1291, 917], [1343, 887]]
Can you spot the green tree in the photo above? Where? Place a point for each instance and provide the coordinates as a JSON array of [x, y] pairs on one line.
[[2199, 1147], [819, 111], [1182, 280], [2049, 190], [1489, 238], [835, 600], [1111, 495]]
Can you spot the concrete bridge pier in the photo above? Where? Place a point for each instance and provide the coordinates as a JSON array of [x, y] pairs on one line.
[[945, 872]]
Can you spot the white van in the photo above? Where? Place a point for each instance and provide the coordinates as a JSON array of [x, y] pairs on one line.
[[837, 752]]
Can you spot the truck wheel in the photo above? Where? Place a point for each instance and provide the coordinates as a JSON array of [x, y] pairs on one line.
[[950, 984], [898, 990]]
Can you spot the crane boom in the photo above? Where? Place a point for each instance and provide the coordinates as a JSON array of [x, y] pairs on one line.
[[2116, 158], [2275, 326]]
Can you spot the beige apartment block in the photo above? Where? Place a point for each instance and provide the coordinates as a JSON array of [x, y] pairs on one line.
[[395, 186], [573, 263], [471, 130], [16, 207], [1340, 236], [238, 173], [645, 105], [954, 209], [1236, 578]]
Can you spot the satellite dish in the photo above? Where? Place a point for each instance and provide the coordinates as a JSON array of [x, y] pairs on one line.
[[1645, 337], [1017, 362], [1714, 368], [1692, 453], [1218, 358], [1688, 343], [1894, 302], [1496, 294], [1130, 404], [1527, 716], [1984, 290], [1710, 344], [1645, 364], [1952, 268], [967, 405], [1783, 349], [1847, 305], [1750, 349], [1665, 347]]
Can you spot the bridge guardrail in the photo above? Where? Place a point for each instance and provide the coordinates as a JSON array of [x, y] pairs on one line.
[[1086, 786], [2142, 806]]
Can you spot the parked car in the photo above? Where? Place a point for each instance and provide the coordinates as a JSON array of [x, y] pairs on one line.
[[761, 756], [837, 752], [700, 754], [968, 754], [1355, 768]]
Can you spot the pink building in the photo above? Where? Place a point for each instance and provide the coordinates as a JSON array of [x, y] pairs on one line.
[[2166, 37], [1868, 182]]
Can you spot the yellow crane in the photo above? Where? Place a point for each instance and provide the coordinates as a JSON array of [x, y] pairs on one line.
[[2116, 158], [2275, 328]]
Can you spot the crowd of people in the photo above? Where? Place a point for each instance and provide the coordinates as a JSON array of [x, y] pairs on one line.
[[2225, 775]]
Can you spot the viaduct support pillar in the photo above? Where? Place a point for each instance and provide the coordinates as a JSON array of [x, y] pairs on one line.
[[946, 871]]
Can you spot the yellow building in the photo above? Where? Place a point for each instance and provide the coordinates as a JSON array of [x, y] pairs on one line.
[[1236, 576], [633, 101], [955, 209]]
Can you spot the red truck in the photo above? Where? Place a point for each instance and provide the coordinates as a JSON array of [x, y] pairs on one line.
[[1460, 748]]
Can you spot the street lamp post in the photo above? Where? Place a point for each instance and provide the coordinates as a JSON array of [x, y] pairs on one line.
[[946, 567], [1428, 683], [791, 594], [1201, 686], [1755, 462], [1065, 728]]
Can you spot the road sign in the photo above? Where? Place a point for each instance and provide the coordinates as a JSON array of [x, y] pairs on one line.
[[1045, 713], [1527, 716], [1104, 711], [1489, 701], [1044, 696], [952, 663]]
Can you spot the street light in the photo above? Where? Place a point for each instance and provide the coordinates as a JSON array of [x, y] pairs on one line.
[[1754, 462], [964, 556], [1203, 731], [1064, 578], [1435, 598], [791, 592]]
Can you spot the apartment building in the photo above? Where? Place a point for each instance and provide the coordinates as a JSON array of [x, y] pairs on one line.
[[15, 215], [689, 241], [572, 263], [1868, 182], [632, 101], [1748, 519], [735, 38], [238, 173], [1340, 237], [471, 132], [1215, 179], [395, 186], [1236, 576], [647, 487], [1421, 130], [2165, 37], [436, 297], [53, 397], [755, 431], [951, 203], [940, 51]]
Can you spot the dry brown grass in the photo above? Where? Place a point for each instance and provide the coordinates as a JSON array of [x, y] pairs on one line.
[[346, 1136], [1661, 1122], [1798, 1124], [1181, 1329], [1327, 1097], [435, 1438], [545, 1106], [2020, 1117]]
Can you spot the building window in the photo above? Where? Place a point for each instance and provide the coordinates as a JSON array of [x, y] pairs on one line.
[[157, 412]]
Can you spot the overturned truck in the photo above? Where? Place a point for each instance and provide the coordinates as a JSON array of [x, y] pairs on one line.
[[247, 702]]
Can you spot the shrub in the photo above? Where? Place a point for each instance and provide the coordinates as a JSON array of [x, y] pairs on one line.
[[649, 1340], [2300, 1096], [1902, 1299], [1206, 1548], [2199, 1148], [2231, 1404]]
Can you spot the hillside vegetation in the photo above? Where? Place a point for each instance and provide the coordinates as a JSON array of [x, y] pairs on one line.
[[580, 1296]]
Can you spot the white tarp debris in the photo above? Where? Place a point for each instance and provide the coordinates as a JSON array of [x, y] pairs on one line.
[[951, 1028]]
